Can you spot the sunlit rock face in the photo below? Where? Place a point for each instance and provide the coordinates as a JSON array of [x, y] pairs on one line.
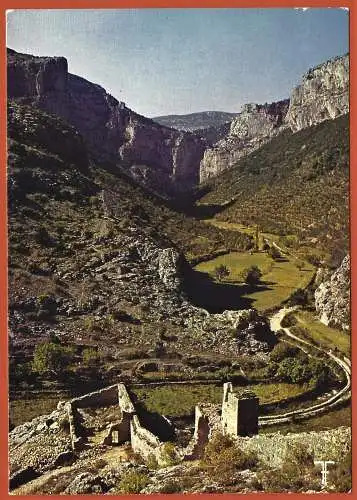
[[322, 95], [332, 298], [161, 158], [252, 128]]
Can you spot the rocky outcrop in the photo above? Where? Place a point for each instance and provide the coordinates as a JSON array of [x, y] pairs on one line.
[[252, 128], [272, 448], [322, 95], [161, 158], [37, 444], [332, 298]]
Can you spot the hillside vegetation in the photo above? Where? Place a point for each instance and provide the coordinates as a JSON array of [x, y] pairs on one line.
[[74, 233], [196, 121], [296, 184]]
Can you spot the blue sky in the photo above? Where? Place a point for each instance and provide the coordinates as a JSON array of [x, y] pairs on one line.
[[163, 61]]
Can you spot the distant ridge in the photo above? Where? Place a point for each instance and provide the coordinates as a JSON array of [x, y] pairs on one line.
[[195, 121]]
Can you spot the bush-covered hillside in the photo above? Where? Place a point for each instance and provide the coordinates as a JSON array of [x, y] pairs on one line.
[[75, 230], [297, 183]]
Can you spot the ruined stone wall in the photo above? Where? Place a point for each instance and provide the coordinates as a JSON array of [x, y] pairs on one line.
[[240, 412], [105, 397], [230, 415], [114, 394], [195, 448], [144, 442]]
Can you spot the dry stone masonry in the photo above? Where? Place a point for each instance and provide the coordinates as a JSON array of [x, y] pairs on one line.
[[114, 417], [240, 412]]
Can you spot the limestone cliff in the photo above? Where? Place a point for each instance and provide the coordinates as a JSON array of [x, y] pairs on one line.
[[322, 95], [254, 126], [332, 298], [161, 158]]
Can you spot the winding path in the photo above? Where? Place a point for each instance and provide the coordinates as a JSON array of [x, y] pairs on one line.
[[341, 396]]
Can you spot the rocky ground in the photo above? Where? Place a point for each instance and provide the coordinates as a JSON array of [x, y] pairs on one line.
[[52, 468], [91, 266], [332, 297]]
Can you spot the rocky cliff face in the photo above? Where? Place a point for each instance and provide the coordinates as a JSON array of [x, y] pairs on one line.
[[323, 95], [253, 127], [161, 158], [332, 298]]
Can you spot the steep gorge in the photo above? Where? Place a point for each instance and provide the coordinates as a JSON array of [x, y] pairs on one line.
[[163, 159], [322, 95]]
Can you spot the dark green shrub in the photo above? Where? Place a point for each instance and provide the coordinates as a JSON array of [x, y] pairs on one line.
[[288, 320], [42, 236], [51, 357], [222, 459], [274, 253], [169, 454], [298, 298], [90, 356], [282, 350], [221, 272], [133, 482], [251, 275], [171, 486]]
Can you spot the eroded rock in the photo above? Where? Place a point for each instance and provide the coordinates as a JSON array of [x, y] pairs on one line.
[[332, 298]]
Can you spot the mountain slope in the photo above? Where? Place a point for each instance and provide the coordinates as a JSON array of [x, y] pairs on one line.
[[297, 183], [195, 121], [160, 158], [322, 95], [95, 260]]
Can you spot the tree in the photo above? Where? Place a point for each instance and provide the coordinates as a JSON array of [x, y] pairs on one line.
[[298, 298], [221, 272], [283, 350], [90, 356], [251, 275], [256, 238], [51, 357], [274, 253]]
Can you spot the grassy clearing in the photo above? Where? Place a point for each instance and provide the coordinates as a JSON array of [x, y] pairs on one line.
[[331, 420], [236, 262], [279, 280], [24, 410], [235, 226], [181, 400], [322, 334]]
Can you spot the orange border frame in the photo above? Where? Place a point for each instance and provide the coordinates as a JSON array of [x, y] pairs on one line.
[[106, 4]]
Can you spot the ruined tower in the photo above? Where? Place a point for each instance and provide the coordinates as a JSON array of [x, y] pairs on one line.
[[239, 412]]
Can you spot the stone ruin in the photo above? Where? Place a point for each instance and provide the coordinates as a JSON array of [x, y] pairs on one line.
[[240, 412], [111, 417]]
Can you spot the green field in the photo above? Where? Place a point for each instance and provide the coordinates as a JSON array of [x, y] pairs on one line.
[[279, 280], [180, 400], [322, 334], [241, 228], [330, 420], [25, 409]]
